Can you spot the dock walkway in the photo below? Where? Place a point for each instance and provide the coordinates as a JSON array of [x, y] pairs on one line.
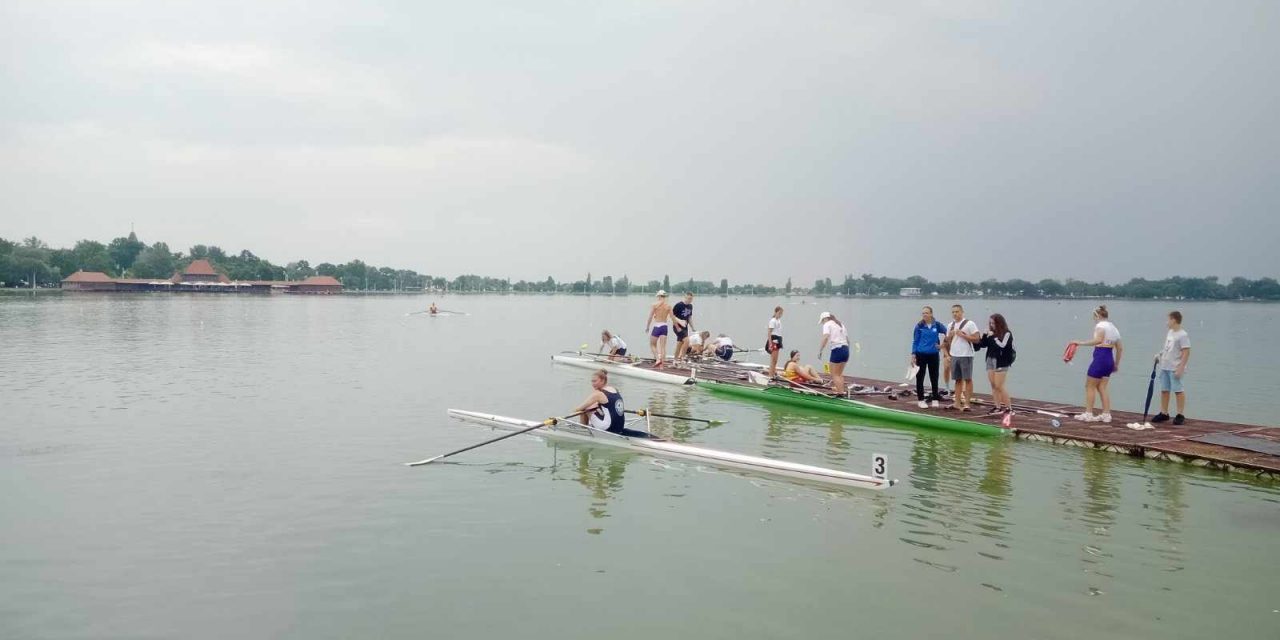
[[1243, 448]]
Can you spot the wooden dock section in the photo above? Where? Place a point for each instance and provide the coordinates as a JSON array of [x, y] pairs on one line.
[[1186, 443], [1242, 448]]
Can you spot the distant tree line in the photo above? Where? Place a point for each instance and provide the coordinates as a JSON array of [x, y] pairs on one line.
[[1208, 288], [31, 260]]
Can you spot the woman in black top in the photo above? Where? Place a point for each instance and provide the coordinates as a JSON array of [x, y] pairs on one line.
[[998, 341]]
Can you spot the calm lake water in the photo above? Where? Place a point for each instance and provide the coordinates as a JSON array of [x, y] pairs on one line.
[[187, 466]]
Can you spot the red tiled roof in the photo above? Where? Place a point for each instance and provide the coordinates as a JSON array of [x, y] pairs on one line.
[[199, 268], [87, 276], [325, 281]]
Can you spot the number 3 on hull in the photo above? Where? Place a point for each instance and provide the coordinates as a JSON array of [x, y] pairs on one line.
[[879, 465]]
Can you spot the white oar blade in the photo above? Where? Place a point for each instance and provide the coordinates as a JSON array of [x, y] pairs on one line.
[[422, 462]]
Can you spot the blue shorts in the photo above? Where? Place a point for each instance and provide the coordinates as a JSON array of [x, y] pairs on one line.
[[840, 354], [1169, 382], [620, 352]]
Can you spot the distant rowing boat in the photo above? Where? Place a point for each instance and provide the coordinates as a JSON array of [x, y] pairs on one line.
[[643, 372], [575, 431]]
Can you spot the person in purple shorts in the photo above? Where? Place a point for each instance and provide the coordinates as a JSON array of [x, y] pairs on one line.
[[1106, 361], [656, 326]]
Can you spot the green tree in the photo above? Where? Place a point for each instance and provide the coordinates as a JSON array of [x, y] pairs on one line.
[[27, 263], [299, 270], [156, 261], [666, 283], [724, 287], [124, 251], [90, 255], [788, 289]]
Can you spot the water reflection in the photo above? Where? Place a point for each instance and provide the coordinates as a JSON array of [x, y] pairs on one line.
[[601, 474]]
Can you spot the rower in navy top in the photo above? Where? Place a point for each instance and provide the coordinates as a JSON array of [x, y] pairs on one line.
[[604, 409]]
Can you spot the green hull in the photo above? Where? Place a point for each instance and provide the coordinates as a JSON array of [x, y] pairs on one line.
[[779, 395]]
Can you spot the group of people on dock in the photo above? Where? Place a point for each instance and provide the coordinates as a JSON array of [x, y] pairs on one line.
[[953, 348], [937, 349]]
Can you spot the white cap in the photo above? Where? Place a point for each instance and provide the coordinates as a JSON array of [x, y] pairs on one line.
[[662, 293], [824, 316]]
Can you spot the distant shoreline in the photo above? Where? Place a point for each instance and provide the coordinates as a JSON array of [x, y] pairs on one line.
[[44, 291]]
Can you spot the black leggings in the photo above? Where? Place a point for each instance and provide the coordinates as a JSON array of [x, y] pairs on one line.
[[928, 362]]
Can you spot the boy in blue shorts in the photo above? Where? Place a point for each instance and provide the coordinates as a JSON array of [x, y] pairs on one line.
[[1173, 365]]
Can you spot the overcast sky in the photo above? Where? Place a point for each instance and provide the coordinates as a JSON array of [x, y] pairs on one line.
[[753, 141]]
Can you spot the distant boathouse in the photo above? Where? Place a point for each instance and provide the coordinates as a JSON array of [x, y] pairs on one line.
[[199, 277]]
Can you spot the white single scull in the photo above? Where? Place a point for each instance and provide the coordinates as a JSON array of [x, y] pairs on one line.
[[622, 368], [571, 430]]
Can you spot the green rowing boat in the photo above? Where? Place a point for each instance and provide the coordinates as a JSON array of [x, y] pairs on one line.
[[796, 398]]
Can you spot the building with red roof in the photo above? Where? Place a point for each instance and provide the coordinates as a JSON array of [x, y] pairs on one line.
[[199, 277]]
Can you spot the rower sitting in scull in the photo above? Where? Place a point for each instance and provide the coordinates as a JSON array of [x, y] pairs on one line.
[[796, 372], [612, 345], [723, 346], [603, 409], [433, 310]]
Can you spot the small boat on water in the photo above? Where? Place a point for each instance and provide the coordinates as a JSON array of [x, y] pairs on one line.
[[575, 431], [643, 371]]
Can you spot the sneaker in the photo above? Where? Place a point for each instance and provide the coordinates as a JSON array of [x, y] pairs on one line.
[[934, 404], [1160, 417], [1085, 417], [1179, 419], [922, 404], [994, 410], [1104, 418]]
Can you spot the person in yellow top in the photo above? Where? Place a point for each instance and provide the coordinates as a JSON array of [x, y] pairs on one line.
[[796, 372]]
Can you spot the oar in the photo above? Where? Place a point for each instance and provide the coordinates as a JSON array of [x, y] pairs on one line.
[[545, 423], [646, 412]]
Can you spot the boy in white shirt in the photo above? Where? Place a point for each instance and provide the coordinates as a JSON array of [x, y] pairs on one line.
[[1173, 365]]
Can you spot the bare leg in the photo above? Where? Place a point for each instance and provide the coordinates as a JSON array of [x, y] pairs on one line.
[[837, 378], [662, 349], [1182, 402], [1103, 391], [995, 387], [1164, 402], [653, 348], [773, 363], [1090, 393]]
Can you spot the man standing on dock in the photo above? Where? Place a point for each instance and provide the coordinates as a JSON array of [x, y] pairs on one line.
[[964, 333], [682, 319], [1173, 365]]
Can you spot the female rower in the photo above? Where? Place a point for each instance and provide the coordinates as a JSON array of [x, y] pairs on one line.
[[603, 409], [773, 341], [1106, 361], [432, 309], [1000, 354], [796, 372], [834, 333], [723, 346], [612, 345], [698, 343]]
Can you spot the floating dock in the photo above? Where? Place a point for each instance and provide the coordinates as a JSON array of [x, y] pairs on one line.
[[1227, 446]]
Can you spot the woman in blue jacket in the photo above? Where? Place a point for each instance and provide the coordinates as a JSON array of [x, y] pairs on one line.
[[924, 354]]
